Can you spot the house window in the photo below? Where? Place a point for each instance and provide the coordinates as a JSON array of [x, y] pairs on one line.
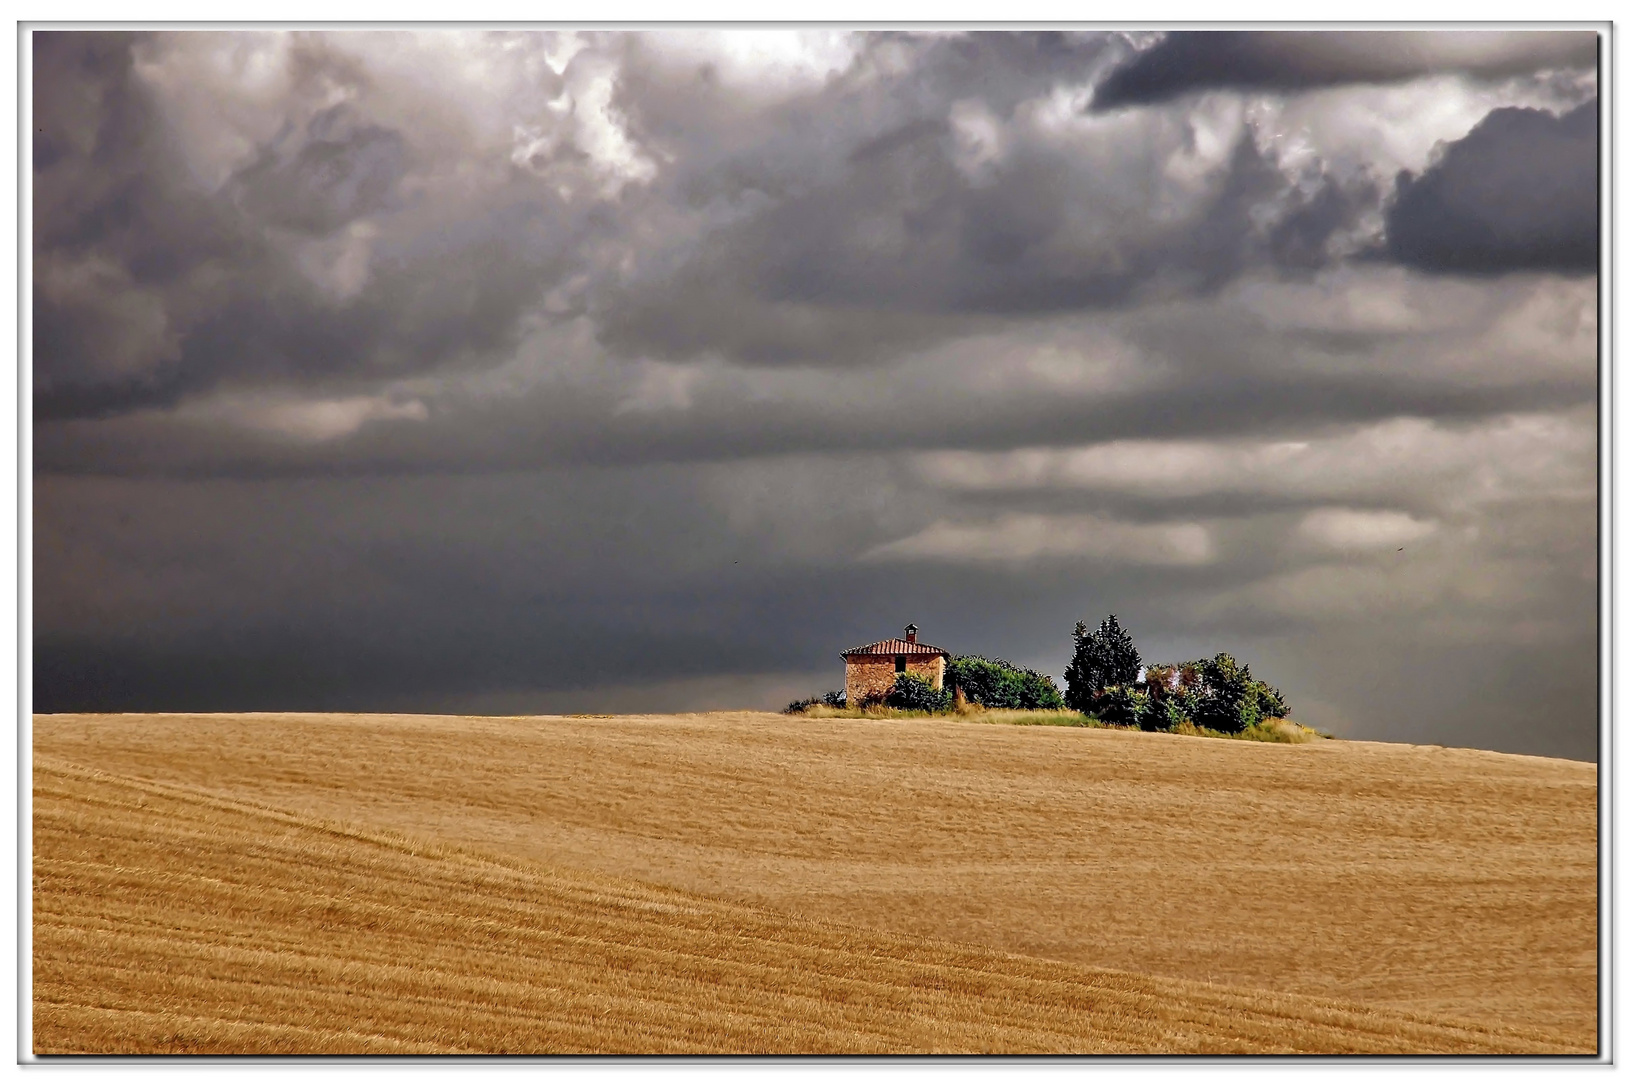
[[901, 664]]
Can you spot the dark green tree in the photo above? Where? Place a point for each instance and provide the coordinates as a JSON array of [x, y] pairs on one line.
[[1221, 694], [1228, 698], [1268, 700], [1102, 658]]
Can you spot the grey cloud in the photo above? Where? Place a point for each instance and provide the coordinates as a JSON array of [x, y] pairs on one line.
[[1190, 369], [152, 288], [1301, 239], [341, 169], [886, 240], [1519, 192], [108, 240], [1185, 61], [906, 248], [891, 141]]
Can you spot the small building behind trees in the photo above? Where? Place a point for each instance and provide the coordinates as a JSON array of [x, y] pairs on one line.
[[871, 670]]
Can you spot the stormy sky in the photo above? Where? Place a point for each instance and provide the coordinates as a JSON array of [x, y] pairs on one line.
[[575, 371]]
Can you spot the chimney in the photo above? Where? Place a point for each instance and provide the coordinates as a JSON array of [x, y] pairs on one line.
[[912, 633]]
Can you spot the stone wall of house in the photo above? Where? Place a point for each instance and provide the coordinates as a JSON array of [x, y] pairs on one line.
[[933, 668], [873, 676]]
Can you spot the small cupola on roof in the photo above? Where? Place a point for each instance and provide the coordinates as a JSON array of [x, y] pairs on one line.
[[871, 670]]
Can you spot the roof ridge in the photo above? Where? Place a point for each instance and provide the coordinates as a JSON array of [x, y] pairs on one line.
[[891, 646]]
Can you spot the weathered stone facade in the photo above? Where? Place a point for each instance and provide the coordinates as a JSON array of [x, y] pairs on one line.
[[873, 676], [871, 670]]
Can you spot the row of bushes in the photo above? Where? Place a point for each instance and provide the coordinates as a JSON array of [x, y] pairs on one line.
[[1106, 680], [998, 684]]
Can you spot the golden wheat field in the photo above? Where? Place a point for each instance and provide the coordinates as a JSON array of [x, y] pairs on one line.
[[743, 882]]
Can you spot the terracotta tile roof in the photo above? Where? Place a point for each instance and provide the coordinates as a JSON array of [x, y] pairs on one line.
[[896, 647]]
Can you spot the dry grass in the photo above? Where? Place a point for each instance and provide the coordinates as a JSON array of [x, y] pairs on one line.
[[1272, 730], [168, 920], [1452, 883], [1025, 717], [976, 713]]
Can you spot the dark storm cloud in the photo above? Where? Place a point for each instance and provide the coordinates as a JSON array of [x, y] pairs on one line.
[[909, 228], [906, 248], [558, 428], [154, 288], [1299, 241], [339, 169], [151, 287], [1185, 61], [429, 584], [109, 236], [1520, 192], [1195, 368]]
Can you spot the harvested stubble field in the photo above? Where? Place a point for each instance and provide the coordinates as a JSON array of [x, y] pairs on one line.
[[750, 882]]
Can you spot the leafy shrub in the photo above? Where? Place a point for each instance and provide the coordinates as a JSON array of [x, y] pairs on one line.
[[916, 693], [1103, 658], [1038, 691], [1121, 705], [1269, 702], [1222, 699], [1163, 712], [1228, 698], [998, 684], [834, 699]]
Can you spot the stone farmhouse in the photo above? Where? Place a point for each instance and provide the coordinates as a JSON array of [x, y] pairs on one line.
[[871, 670]]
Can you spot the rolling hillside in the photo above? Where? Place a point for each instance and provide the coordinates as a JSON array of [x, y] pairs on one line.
[[643, 883]]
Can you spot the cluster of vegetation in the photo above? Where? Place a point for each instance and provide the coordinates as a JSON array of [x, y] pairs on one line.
[[1107, 684], [998, 684], [1108, 680]]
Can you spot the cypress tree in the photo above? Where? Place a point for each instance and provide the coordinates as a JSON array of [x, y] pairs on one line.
[[1122, 659], [1106, 657]]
